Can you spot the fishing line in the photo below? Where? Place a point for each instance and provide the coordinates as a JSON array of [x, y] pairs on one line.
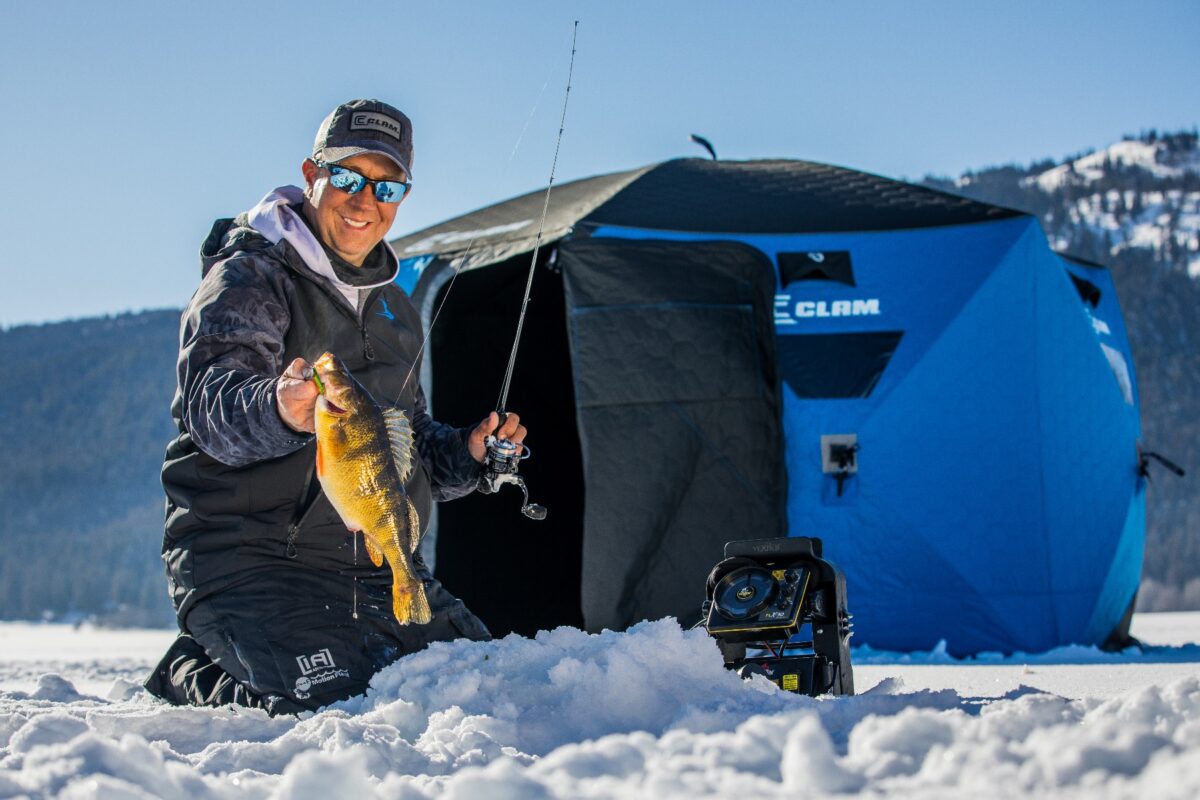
[[463, 260], [512, 358], [528, 120]]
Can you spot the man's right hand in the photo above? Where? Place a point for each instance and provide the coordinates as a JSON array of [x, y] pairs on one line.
[[296, 397]]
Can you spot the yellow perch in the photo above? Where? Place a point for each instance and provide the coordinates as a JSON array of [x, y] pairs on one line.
[[364, 459]]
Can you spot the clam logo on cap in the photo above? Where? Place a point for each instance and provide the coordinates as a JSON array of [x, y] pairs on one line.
[[374, 121]]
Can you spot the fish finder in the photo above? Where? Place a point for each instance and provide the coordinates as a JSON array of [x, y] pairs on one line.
[[777, 608]]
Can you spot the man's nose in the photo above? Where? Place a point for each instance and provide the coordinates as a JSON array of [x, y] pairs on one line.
[[364, 198]]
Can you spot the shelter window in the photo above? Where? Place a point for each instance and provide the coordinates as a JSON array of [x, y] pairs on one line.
[[1088, 291], [828, 265], [836, 365]]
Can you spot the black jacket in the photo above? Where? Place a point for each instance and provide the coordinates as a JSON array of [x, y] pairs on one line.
[[242, 496]]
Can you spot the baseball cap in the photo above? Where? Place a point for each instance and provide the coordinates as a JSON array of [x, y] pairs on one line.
[[365, 126]]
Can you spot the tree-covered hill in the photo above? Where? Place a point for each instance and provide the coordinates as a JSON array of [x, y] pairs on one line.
[[84, 420]]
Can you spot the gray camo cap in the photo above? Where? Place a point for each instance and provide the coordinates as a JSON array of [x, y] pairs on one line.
[[365, 126]]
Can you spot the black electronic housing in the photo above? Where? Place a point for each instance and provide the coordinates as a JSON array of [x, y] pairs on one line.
[[764, 593]]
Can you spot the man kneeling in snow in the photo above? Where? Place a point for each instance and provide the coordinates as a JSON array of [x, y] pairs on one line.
[[278, 605]]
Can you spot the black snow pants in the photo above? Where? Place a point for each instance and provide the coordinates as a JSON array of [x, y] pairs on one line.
[[289, 641]]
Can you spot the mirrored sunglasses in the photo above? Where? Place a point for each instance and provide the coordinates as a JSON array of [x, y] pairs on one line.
[[350, 182]]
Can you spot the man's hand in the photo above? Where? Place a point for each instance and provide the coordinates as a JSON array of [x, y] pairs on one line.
[[296, 397], [513, 430]]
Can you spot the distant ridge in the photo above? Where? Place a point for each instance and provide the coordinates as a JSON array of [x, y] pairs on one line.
[[84, 420]]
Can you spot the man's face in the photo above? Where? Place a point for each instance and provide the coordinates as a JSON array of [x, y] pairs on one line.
[[351, 224]]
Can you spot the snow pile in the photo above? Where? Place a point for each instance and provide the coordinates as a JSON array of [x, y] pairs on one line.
[[646, 713]]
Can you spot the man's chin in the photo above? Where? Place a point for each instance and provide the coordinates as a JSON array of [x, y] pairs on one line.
[[355, 253]]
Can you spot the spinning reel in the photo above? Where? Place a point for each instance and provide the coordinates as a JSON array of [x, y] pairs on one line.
[[500, 467]]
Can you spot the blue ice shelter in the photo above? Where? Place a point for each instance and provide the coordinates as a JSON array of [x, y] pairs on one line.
[[788, 348]]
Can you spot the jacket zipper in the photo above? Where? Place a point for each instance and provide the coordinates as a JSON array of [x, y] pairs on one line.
[[303, 509], [368, 350]]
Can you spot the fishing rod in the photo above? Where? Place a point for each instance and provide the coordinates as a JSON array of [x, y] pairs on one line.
[[503, 456]]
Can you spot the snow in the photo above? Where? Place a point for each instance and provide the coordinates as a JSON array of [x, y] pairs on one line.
[[1149, 156], [1167, 221], [646, 713]]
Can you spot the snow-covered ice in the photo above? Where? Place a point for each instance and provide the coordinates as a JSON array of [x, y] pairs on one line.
[[646, 713]]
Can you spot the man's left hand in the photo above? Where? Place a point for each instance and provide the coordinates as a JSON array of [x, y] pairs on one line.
[[512, 430]]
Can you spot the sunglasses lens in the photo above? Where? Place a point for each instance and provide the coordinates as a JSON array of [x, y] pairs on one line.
[[390, 191], [346, 180]]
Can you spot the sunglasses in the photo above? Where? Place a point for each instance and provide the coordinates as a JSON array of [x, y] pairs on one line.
[[350, 182]]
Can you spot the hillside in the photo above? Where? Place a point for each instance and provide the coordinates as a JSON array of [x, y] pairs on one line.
[[84, 422]]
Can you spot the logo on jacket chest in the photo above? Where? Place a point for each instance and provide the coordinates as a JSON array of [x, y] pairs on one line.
[[386, 313]]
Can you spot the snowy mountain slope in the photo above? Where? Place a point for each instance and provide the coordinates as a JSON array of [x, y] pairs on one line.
[[1140, 192], [1157, 208], [648, 713], [1164, 158]]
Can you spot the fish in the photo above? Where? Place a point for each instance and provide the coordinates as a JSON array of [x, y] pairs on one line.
[[364, 461]]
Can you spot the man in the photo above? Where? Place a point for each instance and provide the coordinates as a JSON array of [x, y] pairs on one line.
[[279, 606]]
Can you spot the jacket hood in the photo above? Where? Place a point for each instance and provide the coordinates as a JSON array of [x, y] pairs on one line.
[[273, 220]]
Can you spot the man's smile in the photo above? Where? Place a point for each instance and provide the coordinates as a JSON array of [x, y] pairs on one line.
[[357, 224]]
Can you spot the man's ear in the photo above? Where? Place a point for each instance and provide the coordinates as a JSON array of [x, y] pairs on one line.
[[309, 168]]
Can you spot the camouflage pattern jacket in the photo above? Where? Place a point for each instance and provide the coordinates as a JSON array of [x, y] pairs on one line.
[[241, 492]]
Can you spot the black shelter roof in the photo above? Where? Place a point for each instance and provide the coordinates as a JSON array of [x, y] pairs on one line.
[[703, 195]]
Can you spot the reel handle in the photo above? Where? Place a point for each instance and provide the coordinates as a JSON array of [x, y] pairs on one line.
[[500, 467]]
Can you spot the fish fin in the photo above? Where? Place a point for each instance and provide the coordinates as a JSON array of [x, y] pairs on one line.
[[320, 464], [400, 437], [373, 550], [410, 604], [414, 526]]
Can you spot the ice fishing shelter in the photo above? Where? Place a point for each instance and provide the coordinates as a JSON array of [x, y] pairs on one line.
[[721, 350]]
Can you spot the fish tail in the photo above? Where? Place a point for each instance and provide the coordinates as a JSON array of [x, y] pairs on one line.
[[411, 605]]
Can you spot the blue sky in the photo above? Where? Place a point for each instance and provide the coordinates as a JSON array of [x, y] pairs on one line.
[[132, 125]]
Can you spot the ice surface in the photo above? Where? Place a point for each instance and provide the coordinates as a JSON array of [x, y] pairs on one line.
[[646, 713]]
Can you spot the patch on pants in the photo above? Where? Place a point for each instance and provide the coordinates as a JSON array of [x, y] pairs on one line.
[[322, 663]]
